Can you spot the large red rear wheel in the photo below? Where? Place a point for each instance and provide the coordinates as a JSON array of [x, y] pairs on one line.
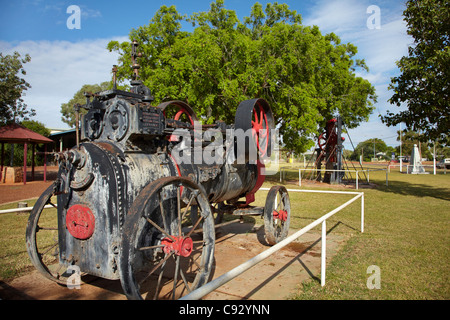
[[256, 119], [163, 253]]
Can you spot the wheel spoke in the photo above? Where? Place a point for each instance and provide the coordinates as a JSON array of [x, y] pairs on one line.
[[194, 194], [179, 211], [160, 229], [46, 251], [38, 228], [175, 279], [151, 247], [159, 280], [161, 209], [281, 201], [56, 274], [156, 267], [255, 112], [185, 281], [195, 226], [51, 203]]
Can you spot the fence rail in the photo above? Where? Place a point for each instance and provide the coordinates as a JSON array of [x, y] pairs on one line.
[[366, 171], [24, 209]]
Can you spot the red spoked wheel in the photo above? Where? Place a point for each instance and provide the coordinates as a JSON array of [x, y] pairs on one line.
[[255, 115], [322, 141], [178, 111], [164, 253], [260, 129]]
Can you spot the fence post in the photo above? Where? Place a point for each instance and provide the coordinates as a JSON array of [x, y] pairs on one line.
[[324, 253], [387, 184], [362, 213], [299, 177], [356, 179]]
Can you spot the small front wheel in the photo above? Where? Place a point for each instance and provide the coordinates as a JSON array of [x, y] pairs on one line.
[[277, 214]]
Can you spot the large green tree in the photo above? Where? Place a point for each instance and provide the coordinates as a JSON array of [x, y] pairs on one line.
[[369, 148], [12, 87], [306, 77], [425, 73]]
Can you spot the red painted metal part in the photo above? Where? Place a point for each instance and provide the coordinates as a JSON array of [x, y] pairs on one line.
[[282, 215], [80, 221], [250, 197], [182, 246], [260, 129]]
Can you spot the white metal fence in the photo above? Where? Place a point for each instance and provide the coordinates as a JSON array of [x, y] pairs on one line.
[[357, 182], [226, 277], [24, 209]]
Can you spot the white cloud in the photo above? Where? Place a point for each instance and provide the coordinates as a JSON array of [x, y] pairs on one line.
[[90, 13], [348, 19], [337, 16], [58, 69], [383, 47]]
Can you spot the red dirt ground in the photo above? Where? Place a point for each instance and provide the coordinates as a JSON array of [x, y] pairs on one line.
[[12, 192]]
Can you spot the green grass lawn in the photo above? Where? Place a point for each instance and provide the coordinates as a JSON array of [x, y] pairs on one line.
[[407, 227], [406, 235], [14, 259]]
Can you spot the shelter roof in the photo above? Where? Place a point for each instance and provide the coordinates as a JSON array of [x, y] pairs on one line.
[[15, 133]]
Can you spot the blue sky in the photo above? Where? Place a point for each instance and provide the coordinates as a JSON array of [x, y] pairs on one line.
[[63, 59]]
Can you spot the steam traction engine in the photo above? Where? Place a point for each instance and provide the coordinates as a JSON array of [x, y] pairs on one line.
[[136, 202]]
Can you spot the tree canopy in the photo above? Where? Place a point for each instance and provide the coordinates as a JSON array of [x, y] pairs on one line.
[[307, 78], [12, 87], [425, 73], [369, 148]]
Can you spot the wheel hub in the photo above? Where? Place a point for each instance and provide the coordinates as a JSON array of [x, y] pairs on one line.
[[181, 246], [282, 215]]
